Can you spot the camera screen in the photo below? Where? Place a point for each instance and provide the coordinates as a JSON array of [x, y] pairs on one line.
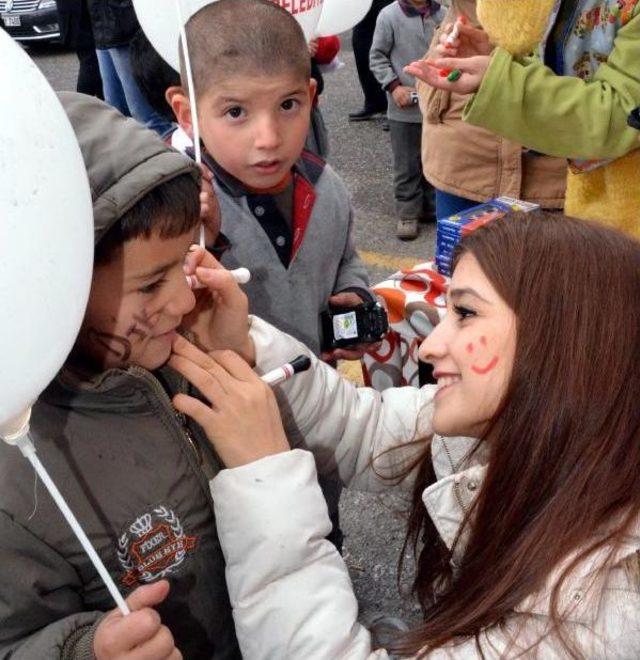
[[345, 326]]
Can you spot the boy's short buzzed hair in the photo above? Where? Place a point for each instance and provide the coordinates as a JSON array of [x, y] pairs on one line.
[[232, 37], [171, 209]]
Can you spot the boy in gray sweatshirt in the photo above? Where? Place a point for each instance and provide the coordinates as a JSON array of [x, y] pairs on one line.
[[403, 33]]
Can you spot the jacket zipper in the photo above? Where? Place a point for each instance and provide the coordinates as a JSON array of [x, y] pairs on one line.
[[178, 418], [454, 469], [456, 491]]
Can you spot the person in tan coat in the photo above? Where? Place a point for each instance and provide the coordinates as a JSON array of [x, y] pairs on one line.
[[468, 165]]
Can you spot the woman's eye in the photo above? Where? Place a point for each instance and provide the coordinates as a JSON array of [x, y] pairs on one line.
[[150, 288], [463, 312], [235, 113], [290, 104]]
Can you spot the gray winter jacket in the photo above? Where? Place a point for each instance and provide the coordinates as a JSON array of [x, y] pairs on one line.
[[398, 40], [134, 473]]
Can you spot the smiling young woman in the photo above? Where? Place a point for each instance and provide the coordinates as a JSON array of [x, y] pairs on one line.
[[528, 536], [562, 444]]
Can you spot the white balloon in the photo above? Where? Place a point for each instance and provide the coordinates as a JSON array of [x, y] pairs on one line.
[[160, 21], [46, 234], [306, 12], [341, 15]]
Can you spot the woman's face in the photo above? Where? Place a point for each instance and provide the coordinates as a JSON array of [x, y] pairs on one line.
[[472, 353]]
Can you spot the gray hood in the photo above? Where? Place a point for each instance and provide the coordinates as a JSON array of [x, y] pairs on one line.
[[124, 160]]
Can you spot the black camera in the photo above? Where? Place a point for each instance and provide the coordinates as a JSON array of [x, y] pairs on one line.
[[634, 119], [343, 327]]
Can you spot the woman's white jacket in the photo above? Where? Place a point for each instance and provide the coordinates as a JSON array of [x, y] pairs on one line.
[[290, 590]]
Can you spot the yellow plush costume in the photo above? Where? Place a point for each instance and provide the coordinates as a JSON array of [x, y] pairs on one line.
[[609, 194], [516, 25]]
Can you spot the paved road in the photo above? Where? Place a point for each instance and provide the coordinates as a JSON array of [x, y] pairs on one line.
[[374, 525]]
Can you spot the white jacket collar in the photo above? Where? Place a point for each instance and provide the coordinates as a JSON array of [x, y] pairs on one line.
[[460, 476]]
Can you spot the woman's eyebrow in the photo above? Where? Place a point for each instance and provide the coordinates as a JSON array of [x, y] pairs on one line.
[[456, 294]]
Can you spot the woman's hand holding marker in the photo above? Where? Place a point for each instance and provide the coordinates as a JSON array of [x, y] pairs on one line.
[[220, 318], [242, 421]]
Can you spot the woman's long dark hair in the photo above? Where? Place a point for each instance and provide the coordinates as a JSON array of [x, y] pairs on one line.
[[564, 448]]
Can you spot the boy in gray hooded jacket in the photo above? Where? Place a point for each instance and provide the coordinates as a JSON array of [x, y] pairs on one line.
[[133, 470]]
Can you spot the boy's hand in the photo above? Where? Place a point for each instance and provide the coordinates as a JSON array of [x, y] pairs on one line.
[[313, 47], [347, 299], [473, 70], [220, 320], [140, 635], [209, 207], [243, 421], [402, 96]]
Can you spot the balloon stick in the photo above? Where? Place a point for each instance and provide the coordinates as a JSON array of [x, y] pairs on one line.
[[22, 440], [192, 96]]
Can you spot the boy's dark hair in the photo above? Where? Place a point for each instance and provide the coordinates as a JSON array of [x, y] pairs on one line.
[[171, 209], [232, 37], [152, 74]]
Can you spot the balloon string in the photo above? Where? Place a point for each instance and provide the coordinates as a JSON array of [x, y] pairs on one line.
[[35, 496], [27, 448], [195, 123]]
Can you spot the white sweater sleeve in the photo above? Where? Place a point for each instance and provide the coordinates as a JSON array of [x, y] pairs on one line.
[[289, 588], [346, 427], [292, 597]]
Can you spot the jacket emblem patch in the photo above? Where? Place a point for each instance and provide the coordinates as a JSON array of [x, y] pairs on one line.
[[154, 546]]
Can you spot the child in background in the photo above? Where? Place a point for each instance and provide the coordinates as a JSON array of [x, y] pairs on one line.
[[286, 213], [403, 32], [573, 103]]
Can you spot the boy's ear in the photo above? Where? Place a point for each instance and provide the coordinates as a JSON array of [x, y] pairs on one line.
[[313, 88], [178, 99]]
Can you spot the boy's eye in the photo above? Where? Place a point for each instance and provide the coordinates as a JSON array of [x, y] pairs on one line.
[[463, 313], [235, 113], [290, 104], [151, 288]]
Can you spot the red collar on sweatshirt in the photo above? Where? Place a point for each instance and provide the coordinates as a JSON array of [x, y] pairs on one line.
[[305, 174]]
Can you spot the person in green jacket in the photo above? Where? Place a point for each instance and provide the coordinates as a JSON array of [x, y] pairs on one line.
[[572, 101]]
